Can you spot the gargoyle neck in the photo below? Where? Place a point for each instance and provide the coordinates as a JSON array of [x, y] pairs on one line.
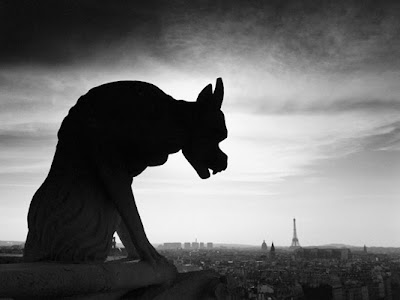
[[187, 116]]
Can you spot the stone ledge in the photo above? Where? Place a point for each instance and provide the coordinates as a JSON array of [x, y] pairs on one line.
[[108, 280], [198, 285]]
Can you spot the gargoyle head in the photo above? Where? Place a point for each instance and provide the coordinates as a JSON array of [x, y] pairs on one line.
[[202, 150]]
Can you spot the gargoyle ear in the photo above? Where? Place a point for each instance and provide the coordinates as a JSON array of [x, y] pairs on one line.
[[219, 92], [205, 95]]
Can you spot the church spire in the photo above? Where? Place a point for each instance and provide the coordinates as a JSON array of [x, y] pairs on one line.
[[272, 251]]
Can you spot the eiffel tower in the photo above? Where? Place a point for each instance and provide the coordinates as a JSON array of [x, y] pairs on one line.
[[295, 240]]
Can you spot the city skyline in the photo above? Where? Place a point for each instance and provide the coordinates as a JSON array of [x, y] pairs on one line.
[[311, 103]]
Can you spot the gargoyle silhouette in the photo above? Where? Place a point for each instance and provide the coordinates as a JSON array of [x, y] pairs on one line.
[[111, 135]]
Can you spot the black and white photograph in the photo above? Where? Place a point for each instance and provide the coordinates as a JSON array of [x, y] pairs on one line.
[[242, 149]]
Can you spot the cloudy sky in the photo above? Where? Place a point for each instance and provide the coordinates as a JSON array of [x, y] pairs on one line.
[[312, 106]]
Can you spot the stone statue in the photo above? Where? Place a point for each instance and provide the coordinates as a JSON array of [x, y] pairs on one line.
[[111, 135]]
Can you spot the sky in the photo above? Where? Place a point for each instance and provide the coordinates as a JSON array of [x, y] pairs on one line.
[[312, 106]]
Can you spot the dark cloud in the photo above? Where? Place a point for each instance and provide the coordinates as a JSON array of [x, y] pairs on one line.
[[26, 152], [366, 105], [24, 140], [296, 32], [16, 104], [22, 178], [28, 135], [387, 139], [20, 163], [24, 92], [324, 106], [49, 32], [342, 105]]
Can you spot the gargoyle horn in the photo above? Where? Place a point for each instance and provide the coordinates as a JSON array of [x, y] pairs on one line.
[[219, 92], [207, 97]]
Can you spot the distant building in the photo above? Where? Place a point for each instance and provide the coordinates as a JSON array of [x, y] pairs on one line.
[[264, 246], [365, 249], [272, 251], [187, 246], [210, 246], [202, 245], [195, 245], [311, 253], [344, 254], [172, 246]]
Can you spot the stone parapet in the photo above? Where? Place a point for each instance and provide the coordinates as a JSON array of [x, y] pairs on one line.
[[108, 280], [121, 279]]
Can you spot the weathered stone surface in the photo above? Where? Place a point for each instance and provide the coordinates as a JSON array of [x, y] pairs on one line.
[[79, 281], [6, 258], [108, 281], [199, 285]]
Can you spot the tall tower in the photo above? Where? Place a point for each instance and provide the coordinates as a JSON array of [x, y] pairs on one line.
[[295, 240]]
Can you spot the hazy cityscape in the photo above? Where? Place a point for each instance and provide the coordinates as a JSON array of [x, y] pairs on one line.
[[268, 271]]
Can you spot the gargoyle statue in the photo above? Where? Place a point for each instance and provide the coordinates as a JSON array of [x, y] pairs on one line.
[[111, 135]]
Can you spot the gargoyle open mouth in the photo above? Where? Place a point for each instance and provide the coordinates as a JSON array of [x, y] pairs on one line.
[[203, 167], [220, 165]]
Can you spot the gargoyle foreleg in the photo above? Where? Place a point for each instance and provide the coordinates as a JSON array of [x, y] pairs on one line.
[[126, 240], [117, 182]]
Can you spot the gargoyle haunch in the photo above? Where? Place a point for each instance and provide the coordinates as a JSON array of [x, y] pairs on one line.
[[111, 135]]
